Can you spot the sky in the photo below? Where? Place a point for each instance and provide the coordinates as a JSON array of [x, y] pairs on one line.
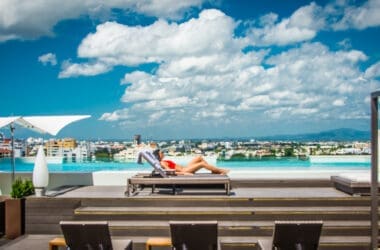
[[169, 69]]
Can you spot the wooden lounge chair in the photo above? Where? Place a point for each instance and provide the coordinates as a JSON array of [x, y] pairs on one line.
[[354, 184], [194, 235], [294, 235], [91, 235], [161, 177]]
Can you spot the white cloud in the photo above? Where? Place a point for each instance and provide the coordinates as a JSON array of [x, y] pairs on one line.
[[345, 44], [301, 26], [304, 24], [165, 8], [339, 102], [32, 19], [361, 17], [87, 69], [122, 114], [196, 44], [318, 84], [202, 76], [48, 58], [114, 43], [373, 71]]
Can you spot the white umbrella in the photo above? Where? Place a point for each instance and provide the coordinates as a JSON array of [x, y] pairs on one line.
[[4, 121], [42, 124]]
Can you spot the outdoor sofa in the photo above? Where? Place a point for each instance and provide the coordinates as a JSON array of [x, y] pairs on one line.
[[160, 177], [353, 183]]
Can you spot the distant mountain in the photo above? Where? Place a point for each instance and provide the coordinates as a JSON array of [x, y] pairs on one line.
[[342, 134]]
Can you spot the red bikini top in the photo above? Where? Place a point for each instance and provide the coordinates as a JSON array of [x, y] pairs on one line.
[[171, 164]]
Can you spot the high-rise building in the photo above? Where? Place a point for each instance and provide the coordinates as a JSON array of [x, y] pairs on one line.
[[137, 139]]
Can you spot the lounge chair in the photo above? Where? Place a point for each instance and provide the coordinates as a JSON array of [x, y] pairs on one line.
[[354, 184], [194, 235], [91, 235], [163, 177], [297, 235]]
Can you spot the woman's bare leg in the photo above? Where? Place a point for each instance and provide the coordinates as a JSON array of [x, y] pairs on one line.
[[192, 168], [195, 160]]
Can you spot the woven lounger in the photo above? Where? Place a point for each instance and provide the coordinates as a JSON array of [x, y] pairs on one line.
[[194, 235], [358, 184], [91, 235], [197, 179], [163, 178], [300, 235]]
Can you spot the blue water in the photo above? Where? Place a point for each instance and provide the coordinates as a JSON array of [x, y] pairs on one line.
[[271, 164]]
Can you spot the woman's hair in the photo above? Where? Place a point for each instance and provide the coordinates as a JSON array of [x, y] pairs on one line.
[[156, 154]]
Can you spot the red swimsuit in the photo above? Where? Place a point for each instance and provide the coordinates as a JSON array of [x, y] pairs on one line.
[[171, 164]]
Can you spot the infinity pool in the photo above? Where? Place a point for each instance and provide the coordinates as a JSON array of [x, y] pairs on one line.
[[267, 164]]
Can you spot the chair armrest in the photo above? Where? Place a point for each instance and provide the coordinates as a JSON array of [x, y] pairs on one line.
[[121, 244]]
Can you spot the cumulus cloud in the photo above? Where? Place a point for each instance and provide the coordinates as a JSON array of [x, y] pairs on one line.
[[192, 46], [318, 84], [116, 115], [118, 44], [358, 17], [32, 19], [302, 25], [204, 75], [165, 8], [305, 23], [373, 71], [345, 44], [86, 69], [48, 58]]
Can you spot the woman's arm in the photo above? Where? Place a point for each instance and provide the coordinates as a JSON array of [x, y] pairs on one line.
[[164, 165]]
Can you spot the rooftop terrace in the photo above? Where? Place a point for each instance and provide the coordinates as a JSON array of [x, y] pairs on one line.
[[243, 217]]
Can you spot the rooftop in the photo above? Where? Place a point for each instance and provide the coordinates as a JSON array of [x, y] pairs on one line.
[[243, 217]]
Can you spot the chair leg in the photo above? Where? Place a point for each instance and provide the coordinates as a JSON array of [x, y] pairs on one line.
[[127, 192], [228, 188], [173, 187]]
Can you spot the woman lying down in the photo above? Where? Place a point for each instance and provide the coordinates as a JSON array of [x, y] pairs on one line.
[[193, 166]]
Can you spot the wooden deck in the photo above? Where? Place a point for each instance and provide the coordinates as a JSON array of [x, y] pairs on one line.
[[244, 217]]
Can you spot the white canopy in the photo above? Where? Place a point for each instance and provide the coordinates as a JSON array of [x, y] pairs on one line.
[[42, 124], [4, 121]]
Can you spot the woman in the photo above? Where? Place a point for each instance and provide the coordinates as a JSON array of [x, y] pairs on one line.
[[193, 166]]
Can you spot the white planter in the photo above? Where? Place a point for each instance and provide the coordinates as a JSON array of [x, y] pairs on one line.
[[40, 172]]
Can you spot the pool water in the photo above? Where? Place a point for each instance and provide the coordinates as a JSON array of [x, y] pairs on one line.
[[267, 164]]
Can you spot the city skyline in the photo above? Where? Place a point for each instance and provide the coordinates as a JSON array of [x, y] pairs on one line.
[[191, 69]]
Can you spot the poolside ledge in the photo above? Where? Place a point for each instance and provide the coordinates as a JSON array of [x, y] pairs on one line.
[[118, 178]]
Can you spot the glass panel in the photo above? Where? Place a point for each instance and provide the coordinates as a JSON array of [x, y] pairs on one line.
[[378, 137], [374, 168]]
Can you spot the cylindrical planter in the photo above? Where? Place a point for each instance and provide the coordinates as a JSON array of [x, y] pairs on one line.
[[14, 218], [2, 216]]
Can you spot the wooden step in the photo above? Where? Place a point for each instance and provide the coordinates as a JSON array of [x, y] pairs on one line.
[[223, 213], [237, 228], [226, 228], [243, 219], [183, 201], [242, 243]]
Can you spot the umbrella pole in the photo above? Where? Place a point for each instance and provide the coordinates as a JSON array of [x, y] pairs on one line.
[[13, 151]]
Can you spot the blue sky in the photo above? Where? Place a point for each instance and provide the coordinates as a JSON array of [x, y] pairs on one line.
[[190, 69]]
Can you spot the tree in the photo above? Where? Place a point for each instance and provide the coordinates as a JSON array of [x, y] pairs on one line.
[[289, 152]]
